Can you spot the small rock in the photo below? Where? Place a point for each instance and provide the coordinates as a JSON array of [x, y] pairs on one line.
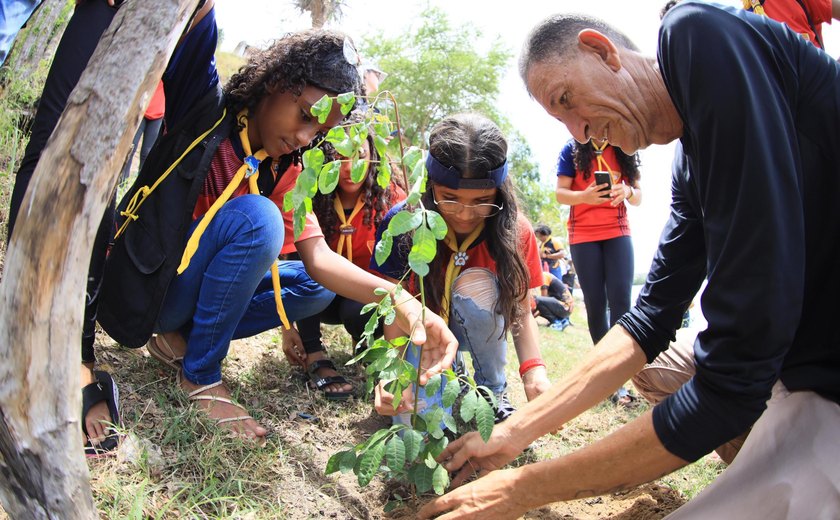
[[132, 450]]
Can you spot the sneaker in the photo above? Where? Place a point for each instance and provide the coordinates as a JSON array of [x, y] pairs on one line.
[[504, 409], [560, 324]]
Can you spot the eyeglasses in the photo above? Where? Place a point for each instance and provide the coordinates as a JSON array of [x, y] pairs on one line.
[[453, 207]]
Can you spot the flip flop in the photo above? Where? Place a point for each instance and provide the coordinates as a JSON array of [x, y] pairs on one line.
[[321, 383], [195, 395], [104, 389], [160, 349]]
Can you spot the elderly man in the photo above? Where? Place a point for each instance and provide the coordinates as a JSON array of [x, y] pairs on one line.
[[757, 113]]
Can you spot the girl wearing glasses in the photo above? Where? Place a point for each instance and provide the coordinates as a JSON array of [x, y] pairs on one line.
[[483, 270]]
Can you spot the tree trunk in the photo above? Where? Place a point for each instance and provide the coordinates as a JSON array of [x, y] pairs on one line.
[[318, 12], [43, 473], [38, 40]]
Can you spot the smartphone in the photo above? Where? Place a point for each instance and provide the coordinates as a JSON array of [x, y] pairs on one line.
[[602, 177]]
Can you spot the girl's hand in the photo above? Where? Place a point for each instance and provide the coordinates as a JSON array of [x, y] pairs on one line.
[[293, 347], [535, 382], [593, 195], [384, 401], [619, 194], [438, 342]]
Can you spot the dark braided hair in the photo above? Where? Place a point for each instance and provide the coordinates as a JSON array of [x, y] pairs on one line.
[[313, 57], [584, 154], [474, 145], [377, 200]]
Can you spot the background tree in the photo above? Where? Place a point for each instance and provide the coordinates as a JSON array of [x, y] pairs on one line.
[[536, 196], [321, 11], [435, 70], [36, 42]]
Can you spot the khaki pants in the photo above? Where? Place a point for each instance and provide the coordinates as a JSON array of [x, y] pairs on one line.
[[787, 467]]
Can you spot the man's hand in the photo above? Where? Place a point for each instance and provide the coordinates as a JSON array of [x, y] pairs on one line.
[[469, 454], [438, 342], [293, 347], [489, 498]]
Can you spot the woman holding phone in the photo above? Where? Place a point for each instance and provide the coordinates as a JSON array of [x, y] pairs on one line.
[[595, 180]]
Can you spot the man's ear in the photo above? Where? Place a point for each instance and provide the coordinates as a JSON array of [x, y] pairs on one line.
[[593, 41]]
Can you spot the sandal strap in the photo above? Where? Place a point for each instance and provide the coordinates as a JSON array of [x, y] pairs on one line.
[[323, 382], [319, 364], [215, 398], [232, 419]]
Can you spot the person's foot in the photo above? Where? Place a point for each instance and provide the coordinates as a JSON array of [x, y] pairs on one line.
[[98, 417], [560, 324], [169, 348], [325, 372], [218, 403]]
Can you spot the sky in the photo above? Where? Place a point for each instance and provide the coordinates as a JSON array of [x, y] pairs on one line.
[[508, 22]]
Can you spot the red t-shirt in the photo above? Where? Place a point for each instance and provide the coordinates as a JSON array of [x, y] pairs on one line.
[[157, 105], [364, 236], [790, 13], [588, 223], [224, 166]]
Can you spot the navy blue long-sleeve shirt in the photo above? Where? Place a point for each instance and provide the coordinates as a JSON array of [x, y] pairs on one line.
[[755, 210]]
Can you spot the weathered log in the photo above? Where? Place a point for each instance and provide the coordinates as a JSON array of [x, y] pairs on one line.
[[43, 473]]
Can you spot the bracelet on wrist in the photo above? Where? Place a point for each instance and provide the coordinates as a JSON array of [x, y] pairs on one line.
[[527, 366]]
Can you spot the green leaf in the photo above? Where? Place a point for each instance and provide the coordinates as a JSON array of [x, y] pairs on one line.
[[369, 463], [322, 108], [468, 405], [380, 291], [383, 177], [433, 419], [381, 145], [383, 248], [484, 418], [437, 446], [308, 182], [418, 172], [437, 225], [430, 461], [347, 461], [288, 200], [313, 158], [395, 453], [419, 423], [450, 392], [411, 156], [400, 341], [413, 441], [334, 464], [369, 307], [440, 480], [449, 422], [358, 170], [346, 100], [345, 148], [433, 385], [423, 250], [299, 217], [328, 179], [336, 135], [405, 221], [422, 477]]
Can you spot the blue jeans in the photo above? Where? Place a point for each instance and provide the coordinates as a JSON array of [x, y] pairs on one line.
[[226, 292], [478, 330]]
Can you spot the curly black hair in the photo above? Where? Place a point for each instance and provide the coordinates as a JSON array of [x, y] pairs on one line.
[[314, 57], [377, 200], [584, 154], [474, 145]]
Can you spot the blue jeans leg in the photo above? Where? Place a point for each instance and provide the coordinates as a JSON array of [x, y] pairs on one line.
[[210, 297], [302, 298], [478, 331]]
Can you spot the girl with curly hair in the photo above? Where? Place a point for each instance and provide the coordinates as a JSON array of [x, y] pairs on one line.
[[348, 218], [484, 268], [197, 250]]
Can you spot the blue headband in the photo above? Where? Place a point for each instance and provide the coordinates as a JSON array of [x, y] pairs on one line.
[[450, 177]]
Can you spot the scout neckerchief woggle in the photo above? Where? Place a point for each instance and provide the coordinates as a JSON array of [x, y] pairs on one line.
[[249, 170], [450, 177], [346, 229], [602, 163]]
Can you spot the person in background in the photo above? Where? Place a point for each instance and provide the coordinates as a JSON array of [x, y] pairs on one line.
[[551, 251], [554, 303], [348, 217]]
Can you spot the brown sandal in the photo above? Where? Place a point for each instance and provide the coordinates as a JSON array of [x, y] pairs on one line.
[[160, 349], [195, 396]]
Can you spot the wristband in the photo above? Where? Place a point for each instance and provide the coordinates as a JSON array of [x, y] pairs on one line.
[[526, 366]]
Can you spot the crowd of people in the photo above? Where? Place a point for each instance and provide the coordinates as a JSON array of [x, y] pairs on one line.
[[188, 267]]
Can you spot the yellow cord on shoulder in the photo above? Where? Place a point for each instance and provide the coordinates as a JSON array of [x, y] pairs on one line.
[[346, 239], [249, 170], [755, 6], [453, 269], [143, 193]]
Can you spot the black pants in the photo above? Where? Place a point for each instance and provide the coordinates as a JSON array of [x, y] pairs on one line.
[[80, 39], [605, 272], [551, 309], [340, 311]]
